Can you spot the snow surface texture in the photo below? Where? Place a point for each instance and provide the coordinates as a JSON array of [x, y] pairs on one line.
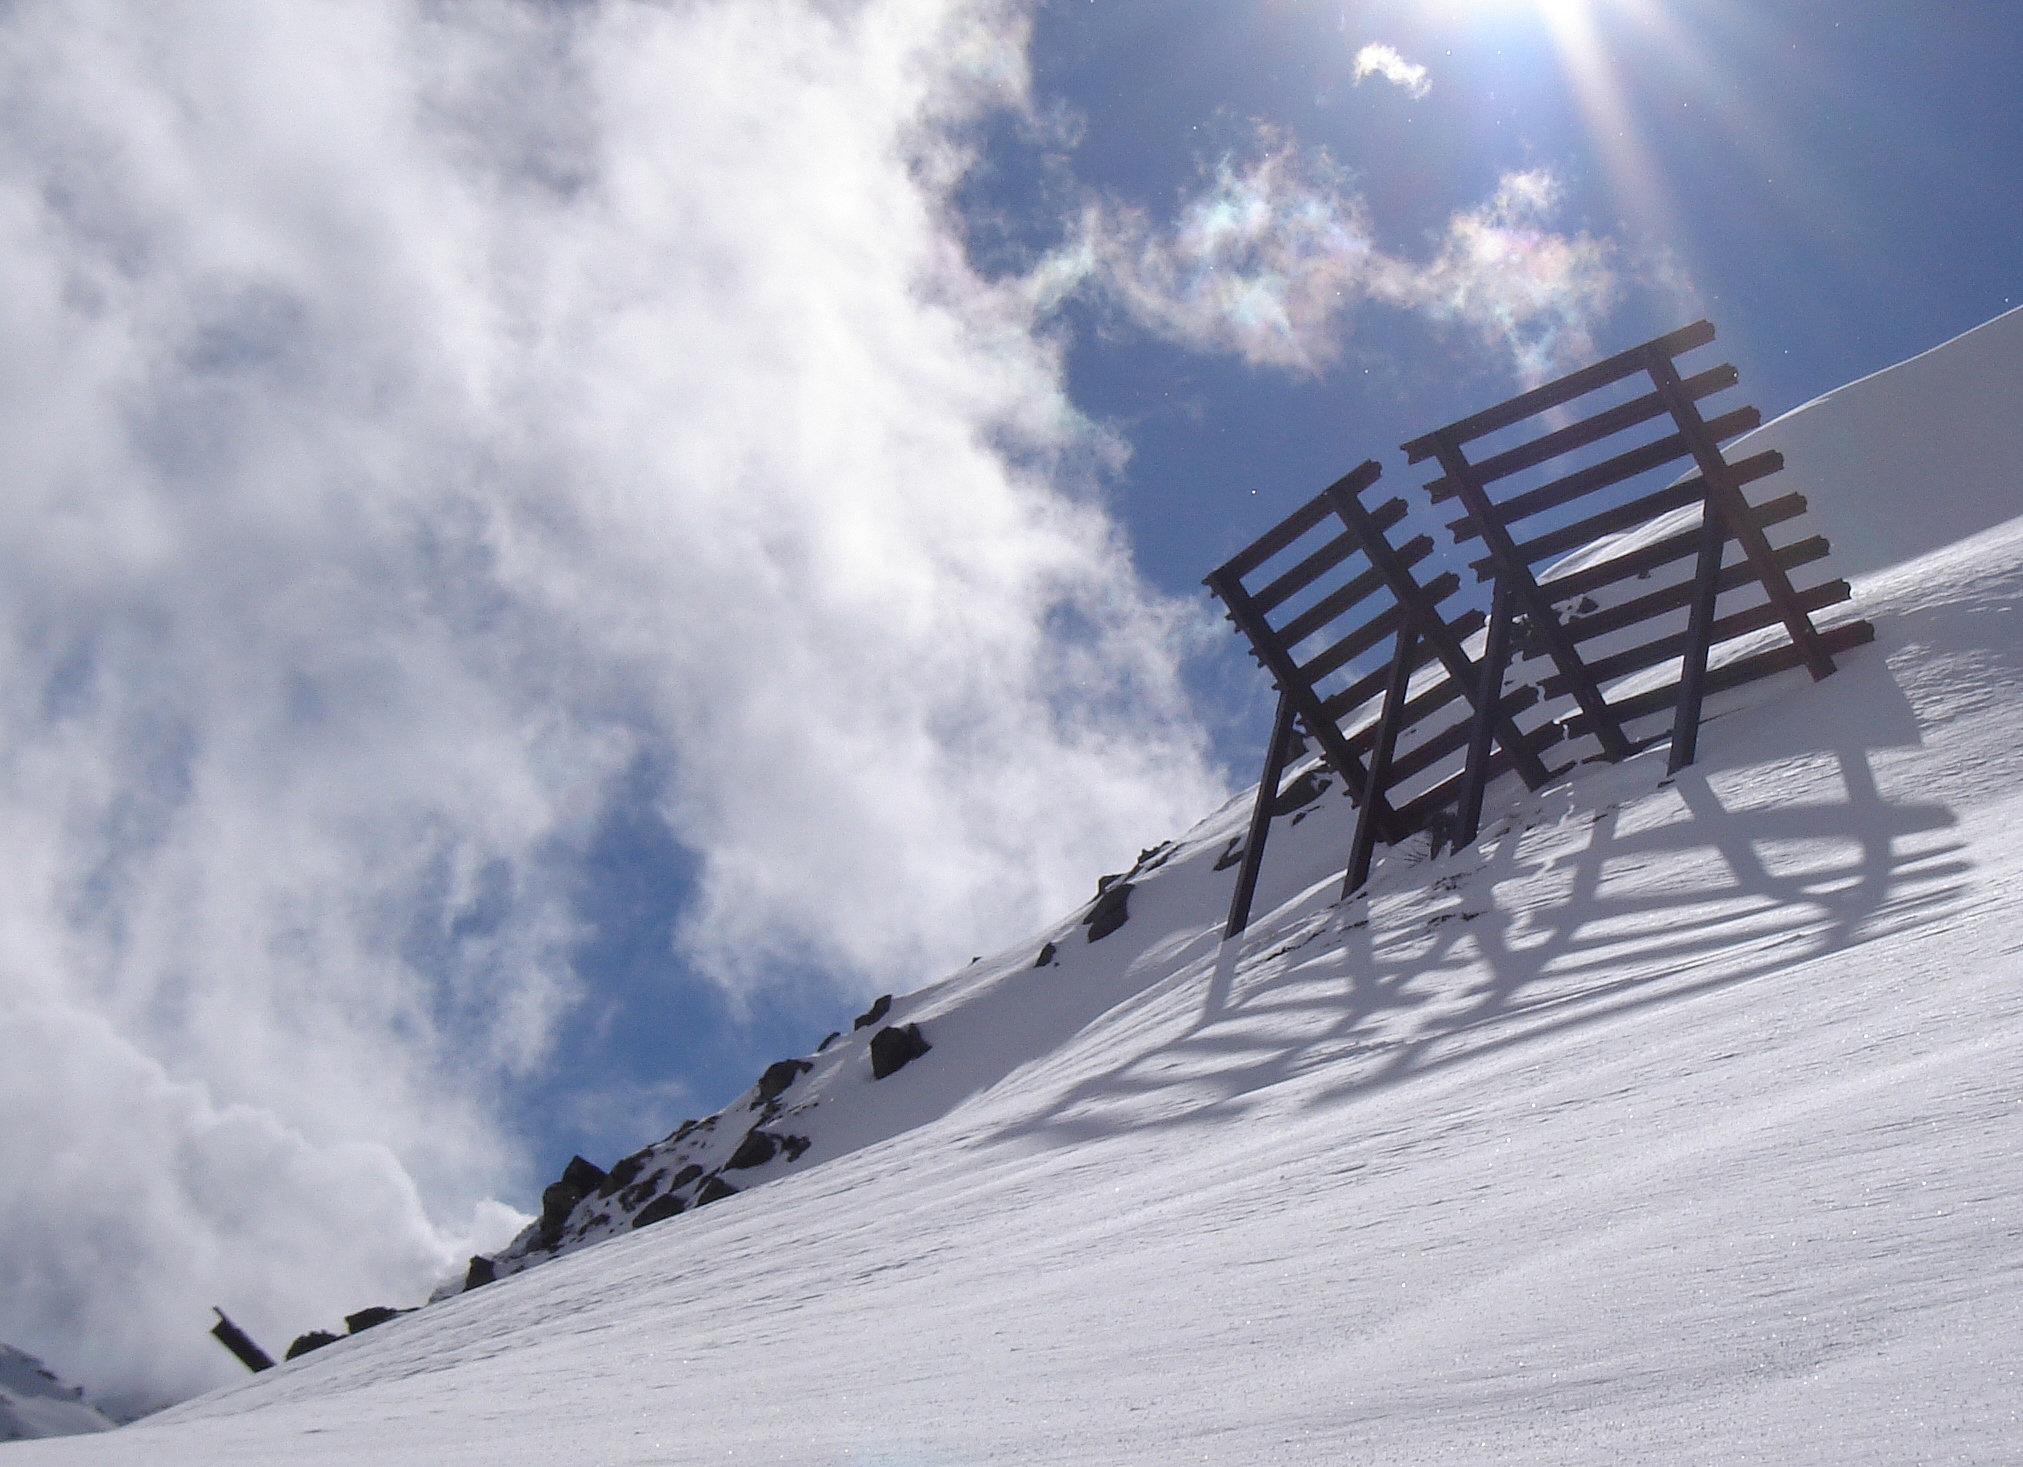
[[1673, 1121], [34, 1403]]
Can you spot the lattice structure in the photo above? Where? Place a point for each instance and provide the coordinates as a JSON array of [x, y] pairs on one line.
[[1569, 645]]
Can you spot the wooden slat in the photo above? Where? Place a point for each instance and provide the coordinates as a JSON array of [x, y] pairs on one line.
[[1495, 658], [1673, 597], [1358, 589], [1329, 555], [1647, 558], [1372, 632], [1555, 543], [1602, 425], [1725, 629], [1340, 705], [1564, 390], [1627, 465], [1416, 813], [1781, 658], [1449, 740]]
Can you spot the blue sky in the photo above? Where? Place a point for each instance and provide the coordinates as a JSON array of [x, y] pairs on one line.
[[557, 550]]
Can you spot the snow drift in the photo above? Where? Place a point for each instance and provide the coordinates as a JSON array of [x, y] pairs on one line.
[[1674, 1120]]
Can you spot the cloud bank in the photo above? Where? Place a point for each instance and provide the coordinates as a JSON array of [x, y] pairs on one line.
[[417, 420], [1274, 256]]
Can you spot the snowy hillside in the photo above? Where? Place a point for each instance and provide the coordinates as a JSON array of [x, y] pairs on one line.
[[1672, 1121], [34, 1403]]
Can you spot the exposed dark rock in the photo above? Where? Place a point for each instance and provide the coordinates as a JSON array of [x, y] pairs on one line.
[[834, 1035], [316, 1339], [658, 1209], [622, 1172], [365, 1319], [1310, 786], [892, 1048], [872, 1015], [686, 1175], [479, 1273], [1110, 910], [1231, 854], [585, 1176], [715, 1189], [634, 1197], [1103, 883], [791, 1147], [778, 1076], [1046, 956], [756, 1149]]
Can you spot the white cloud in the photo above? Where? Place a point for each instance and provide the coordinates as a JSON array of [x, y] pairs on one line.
[[1379, 60], [412, 416], [1273, 257]]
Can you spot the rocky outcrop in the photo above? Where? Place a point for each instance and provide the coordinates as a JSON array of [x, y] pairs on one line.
[[894, 1048]]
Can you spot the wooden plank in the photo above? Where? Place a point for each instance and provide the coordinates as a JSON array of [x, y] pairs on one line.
[[1627, 465], [1275, 751], [1724, 497], [1555, 543], [1680, 594], [1358, 589], [1552, 394], [1647, 558], [1364, 844], [1725, 629], [1602, 425], [1512, 569], [1781, 658], [1329, 555]]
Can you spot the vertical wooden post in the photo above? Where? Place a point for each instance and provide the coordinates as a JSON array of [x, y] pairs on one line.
[[1699, 631], [1510, 567], [1389, 723], [1724, 497], [1282, 735], [1495, 655]]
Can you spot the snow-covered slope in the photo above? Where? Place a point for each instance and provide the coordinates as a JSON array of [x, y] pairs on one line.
[[35, 1403], [1673, 1121]]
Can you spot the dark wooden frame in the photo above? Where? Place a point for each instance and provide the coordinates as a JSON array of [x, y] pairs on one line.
[[1388, 600]]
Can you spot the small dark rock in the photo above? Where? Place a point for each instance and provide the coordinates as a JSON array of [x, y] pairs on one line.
[[657, 1210], [1103, 883], [634, 1197], [1310, 786], [834, 1035], [872, 1015], [714, 1190], [1046, 956], [316, 1339], [791, 1147], [778, 1076], [756, 1149], [365, 1319], [686, 1175], [1231, 853], [480, 1273], [893, 1048], [1110, 910]]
